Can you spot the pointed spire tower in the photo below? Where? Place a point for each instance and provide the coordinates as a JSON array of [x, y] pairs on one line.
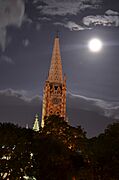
[[54, 98], [36, 124]]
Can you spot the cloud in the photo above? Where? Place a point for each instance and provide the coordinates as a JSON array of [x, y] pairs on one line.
[[106, 108], [38, 26], [35, 1], [64, 7], [110, 12], [26, 42], [39, 7], [110, 18], [21, 95], [44, 19], [6, 59], [11, 13], [27, 19], [72, 26]]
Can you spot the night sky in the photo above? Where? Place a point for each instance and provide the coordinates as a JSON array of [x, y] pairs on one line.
[[27, 30]]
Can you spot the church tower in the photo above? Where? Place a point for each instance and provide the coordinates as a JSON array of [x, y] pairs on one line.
[[54, 97]]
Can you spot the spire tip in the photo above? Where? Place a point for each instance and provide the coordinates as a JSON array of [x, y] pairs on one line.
[[57, 34]]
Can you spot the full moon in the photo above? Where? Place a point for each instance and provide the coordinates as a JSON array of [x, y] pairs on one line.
[[95, 45]]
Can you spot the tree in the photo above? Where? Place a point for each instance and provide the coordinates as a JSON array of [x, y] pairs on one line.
[[104, 154], [52, 160], [36, 154], [14, 151], [74, 138]]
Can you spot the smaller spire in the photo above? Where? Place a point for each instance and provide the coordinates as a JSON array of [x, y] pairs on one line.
[[36, 123]]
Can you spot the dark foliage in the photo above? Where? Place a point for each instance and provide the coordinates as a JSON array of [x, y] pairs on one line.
[[103, 152], [58, 152], [48, 154]]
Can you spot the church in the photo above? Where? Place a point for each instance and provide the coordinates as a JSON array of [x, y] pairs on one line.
[[54, 94]]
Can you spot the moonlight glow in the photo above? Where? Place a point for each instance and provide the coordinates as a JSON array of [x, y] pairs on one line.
[[95, 45]]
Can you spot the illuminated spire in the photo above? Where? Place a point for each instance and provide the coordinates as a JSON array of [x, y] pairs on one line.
[[55, 72], [54, 97], [36, 123]]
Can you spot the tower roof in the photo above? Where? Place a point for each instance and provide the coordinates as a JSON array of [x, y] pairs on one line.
[[55, 72]]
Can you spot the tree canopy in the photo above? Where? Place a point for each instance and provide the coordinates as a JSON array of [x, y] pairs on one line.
[[58, 152]]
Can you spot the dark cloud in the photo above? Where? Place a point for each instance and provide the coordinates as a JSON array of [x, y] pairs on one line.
[[6, 59]]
